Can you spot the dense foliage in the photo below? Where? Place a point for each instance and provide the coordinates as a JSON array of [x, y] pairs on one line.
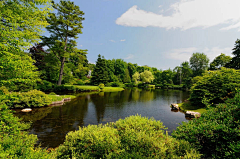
[[33, 98], [17, 72], [133, 137], [214, 87], [14, 141], [216, 134], [219, 61]]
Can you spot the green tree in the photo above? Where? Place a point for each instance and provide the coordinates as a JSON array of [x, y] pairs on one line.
[[78, 63], [64, 27], [136, 77], [235, 62], [140, 69], [21, 23], [146, 76], [167, 76], [100, 72], [214, 87], [111, 70], [120, 67], [219, 61], [199, 63], [157, 77], [132, 68], [126, 78], [17, 71]]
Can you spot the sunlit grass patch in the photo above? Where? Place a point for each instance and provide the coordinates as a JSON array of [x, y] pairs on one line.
[[187, 106], [55, 98]]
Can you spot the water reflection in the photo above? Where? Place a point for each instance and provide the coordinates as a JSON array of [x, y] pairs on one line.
[[51, 124]]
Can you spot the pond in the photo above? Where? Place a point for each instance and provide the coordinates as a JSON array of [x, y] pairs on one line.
[[51, 124]]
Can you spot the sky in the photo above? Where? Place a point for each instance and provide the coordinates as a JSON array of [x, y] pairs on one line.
[[158, 33]]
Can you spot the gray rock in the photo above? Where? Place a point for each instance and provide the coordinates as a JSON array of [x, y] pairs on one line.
[[175, 106], [26, 110], [192, 114]]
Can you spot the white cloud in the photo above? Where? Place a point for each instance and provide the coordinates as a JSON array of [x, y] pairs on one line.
[[112, 41], [123, 40], [81, 46], [184, 54], [130, 56], [187, 14]]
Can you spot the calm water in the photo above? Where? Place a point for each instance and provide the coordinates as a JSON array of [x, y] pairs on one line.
[[51, 124]]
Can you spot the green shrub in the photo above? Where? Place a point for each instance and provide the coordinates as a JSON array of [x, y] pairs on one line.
[[3, 90], [80, 82], [52, 93], [19, 84], [214, 87], [130, 84], [216, 134], [133, 137], [14, 141], [101, 86], [45, 86], [33, 98], [151, 86], [159, 85]]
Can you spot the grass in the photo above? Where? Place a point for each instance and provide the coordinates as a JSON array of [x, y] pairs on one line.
[[59, 98], [111, 89], [83, 88], [93, 88], [186, 106]]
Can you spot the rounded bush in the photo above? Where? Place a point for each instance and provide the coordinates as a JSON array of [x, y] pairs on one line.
[[33, 98], [214, 87], [133, 137]]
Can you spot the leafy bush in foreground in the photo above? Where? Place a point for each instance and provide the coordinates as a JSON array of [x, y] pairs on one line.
[[14, 142], [133, 137], [217, 133], [214, 87], [33, 98]]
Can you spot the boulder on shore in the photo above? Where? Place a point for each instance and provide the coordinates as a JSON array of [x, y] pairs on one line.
[[175, 106], [26, 110], [192, 114]]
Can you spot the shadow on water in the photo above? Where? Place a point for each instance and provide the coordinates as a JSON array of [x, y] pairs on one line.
[[51, 124]]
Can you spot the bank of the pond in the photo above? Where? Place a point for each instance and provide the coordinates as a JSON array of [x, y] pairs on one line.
[[186, 106], [56, 98], [86, 88]]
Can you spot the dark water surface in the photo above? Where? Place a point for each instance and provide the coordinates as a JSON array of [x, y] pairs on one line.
[[51, 124]]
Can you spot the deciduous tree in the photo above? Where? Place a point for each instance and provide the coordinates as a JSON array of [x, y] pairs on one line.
[[199, 63], [146, 76], [219, 61]]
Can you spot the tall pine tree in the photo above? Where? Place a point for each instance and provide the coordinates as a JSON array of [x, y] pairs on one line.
[[64, 27]]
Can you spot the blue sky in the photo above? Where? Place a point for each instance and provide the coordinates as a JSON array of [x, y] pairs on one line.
[[158, 33]]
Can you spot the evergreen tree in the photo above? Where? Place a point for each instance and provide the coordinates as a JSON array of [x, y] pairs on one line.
[[235, 62], [100, 72], [64, 27]]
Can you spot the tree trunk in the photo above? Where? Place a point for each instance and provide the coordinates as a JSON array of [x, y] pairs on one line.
[[62, 62], [61, 72]]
